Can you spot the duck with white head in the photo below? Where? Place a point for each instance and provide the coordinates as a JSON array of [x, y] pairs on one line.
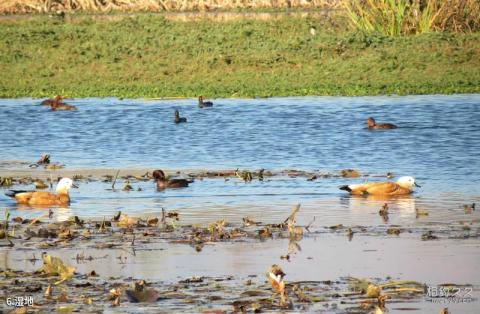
[[32, 198], [403, 186]]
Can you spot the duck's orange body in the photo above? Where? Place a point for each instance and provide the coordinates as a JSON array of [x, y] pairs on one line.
[[403, 186], [41, 198], [379, 188]]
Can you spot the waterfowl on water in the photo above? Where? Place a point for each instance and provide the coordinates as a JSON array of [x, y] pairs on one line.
[[372, 124], [51, 101], [60, 198], [57, 104], [63, 106], [403, 186], [178, 119], [204, 104], [164, 183]]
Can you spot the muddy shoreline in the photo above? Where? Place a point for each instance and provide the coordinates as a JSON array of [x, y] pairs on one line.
[[93, 292], [173, 261]]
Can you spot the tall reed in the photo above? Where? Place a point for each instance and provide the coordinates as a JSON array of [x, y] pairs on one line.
[[402, 17]]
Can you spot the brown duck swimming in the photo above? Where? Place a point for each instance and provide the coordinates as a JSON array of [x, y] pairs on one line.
[[57, 104], [204, 104], [164, 183], [63, 106], [371, 124], [32, 198], [51, 101], [178, 119], [403, 186]]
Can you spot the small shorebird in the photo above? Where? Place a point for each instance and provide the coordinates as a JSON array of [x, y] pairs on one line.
[[60, 198], [372, 124], [178, 119], [275, 277], [164, 183], [403, 186], [204, 104]]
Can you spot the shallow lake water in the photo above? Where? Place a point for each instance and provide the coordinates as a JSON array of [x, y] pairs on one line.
[[438, 143]]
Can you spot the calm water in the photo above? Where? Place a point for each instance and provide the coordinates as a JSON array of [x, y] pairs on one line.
[[438, 138], [438, 142]]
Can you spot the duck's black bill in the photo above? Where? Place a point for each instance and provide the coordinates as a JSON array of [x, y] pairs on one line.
[[418, 186]]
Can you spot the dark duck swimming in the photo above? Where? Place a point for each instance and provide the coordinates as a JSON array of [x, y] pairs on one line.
[[179, 119], [372, 124], [57, 104], [164, 183], [204, 104]]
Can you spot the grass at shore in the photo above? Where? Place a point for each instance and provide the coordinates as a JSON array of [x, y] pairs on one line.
[[150, 56]]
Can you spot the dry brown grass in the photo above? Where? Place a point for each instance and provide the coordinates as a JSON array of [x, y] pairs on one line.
[[402, 17], [456, 15], [44, 6]]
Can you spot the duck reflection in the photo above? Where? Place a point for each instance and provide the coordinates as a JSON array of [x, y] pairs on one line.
[[404, 205]]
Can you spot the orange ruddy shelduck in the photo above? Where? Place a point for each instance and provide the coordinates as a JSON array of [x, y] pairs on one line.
[[32, 198], [403, 186]]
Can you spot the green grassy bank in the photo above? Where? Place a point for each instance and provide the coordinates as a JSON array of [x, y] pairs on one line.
[[149, 56]]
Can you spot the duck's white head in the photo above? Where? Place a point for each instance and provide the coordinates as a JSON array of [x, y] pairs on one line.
[[407, 182], [65, 184]]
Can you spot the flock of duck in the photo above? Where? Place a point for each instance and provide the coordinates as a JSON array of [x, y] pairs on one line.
[[403, 186]]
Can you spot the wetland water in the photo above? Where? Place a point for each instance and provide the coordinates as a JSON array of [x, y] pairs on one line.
[[438, 143]]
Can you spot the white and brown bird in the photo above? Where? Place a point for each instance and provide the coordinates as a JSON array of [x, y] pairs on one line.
[[32, 198], [403, 186], [275, 277]]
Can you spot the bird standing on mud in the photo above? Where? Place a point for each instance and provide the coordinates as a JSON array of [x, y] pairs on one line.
[[178, 119], [32, 198], [275, 277], [204, 104], [372, 124], [403, 186], [164, 183]]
